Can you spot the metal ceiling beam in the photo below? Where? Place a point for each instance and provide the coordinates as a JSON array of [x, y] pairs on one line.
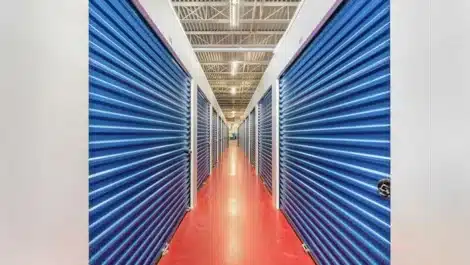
[[230, 99], [243, 32], [240, 101], [229, 62], [237, 73], [245, 4], [224, 82], [272, 46], [245, 81], [233, 48], [228, 96], [242, 21], [233, 80], [226, 89]]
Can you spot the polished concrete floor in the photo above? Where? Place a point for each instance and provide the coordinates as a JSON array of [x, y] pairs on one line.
[[235, 223]]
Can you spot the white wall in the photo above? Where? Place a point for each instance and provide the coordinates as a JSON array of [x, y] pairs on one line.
[[164, 16], [308, 15], [44, 132], [430, 132]]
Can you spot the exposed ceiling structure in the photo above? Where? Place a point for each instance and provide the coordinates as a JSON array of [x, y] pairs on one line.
[[234, 42]]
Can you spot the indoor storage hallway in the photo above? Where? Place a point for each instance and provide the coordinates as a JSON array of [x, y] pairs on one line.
[[234, 222]]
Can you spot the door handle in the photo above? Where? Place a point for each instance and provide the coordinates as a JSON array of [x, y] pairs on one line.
[[384, 188]]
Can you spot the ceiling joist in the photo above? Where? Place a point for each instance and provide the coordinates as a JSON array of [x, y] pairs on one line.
[[245, 4], [242, 21]]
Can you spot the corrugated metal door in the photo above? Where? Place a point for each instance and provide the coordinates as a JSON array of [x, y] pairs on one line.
[[203, 138], [239, 135], [224, 136], [214, 138], [247, 138], [252, 138], [265, 139], [220, 136], [139, 111], [335, 137], [242, 136], [228, 136]]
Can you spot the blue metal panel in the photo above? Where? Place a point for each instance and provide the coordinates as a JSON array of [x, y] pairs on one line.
[[214, 138], [245, 137], [219, 137], [239, 131], [139, 129], [335, 137], [265, 139], [203, 138], [247, 134], [252, 138], [242, 133], [242, 136], [224, 130], [227, 136]]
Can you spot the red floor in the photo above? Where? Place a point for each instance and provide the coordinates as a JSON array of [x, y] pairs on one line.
[[234, 223]]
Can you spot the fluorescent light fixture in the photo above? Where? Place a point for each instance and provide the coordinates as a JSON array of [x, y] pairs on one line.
[[234, 91], [234, 13], [234, 67]]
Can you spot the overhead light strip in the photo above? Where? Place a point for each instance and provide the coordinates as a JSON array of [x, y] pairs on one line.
[[234, 13], [234, 67]]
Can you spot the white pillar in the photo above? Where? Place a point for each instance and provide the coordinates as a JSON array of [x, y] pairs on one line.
[[275, 144], [193, 147], [257, 139]]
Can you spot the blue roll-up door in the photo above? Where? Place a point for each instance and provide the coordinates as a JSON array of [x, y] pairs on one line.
[[139, 129], [265, 139], [219, 137], [239, 134], [335, 137], [214, 138], [247, 136], [223, 136], [203, 138], [242, 136], [227, 135], [242, 139], [252, 138]]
